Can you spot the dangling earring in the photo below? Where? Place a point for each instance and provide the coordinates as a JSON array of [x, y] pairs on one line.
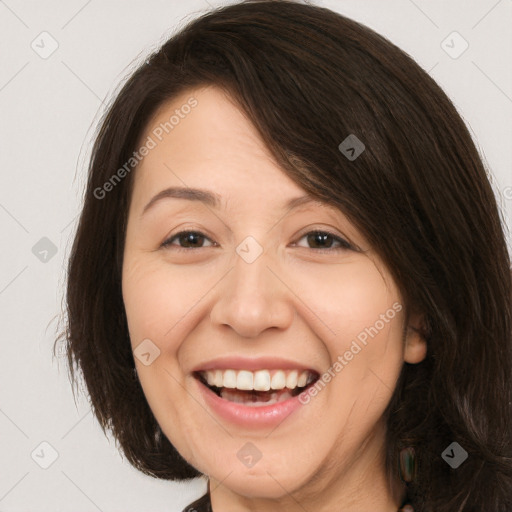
[[408, 466]]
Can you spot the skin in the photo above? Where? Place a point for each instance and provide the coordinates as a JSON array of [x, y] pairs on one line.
[[296, 300]]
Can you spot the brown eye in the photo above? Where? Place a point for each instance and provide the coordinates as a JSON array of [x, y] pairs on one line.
[[323, 240], [187, 240], [317, 240]]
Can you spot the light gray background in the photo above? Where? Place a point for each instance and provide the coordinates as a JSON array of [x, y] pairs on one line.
[[49, 111]]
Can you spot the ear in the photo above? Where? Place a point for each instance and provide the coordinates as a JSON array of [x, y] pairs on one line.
[[415, 347]]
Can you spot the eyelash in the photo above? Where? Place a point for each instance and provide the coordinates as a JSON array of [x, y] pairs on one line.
[[344, 245]]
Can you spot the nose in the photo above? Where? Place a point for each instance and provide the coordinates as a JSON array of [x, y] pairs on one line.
[[252, 298]]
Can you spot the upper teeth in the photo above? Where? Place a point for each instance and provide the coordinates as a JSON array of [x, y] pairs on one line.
[[261, 380]]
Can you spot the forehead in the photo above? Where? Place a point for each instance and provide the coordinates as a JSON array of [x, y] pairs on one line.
[[210, 145], [212, 128], [213, 155]]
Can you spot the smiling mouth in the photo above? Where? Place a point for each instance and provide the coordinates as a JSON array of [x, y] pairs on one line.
[[258, 388]]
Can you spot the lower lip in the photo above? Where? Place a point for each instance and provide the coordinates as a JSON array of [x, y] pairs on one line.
[[247, 416]]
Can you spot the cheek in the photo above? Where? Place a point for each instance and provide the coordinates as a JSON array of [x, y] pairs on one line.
[[156, 297], [349, 300], [364, 314], [154, 303], [375, 321]]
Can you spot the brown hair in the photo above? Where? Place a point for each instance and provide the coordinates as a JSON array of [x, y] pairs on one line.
[[307, 78]]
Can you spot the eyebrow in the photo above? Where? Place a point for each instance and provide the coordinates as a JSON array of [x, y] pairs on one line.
[[212, 199]]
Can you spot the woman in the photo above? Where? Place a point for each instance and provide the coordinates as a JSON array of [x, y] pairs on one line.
[[220, 332]]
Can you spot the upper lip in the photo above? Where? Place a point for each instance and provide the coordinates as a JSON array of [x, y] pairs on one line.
[[252, 364]]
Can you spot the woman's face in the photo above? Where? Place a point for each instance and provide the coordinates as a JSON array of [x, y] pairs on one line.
[[252, 288]]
